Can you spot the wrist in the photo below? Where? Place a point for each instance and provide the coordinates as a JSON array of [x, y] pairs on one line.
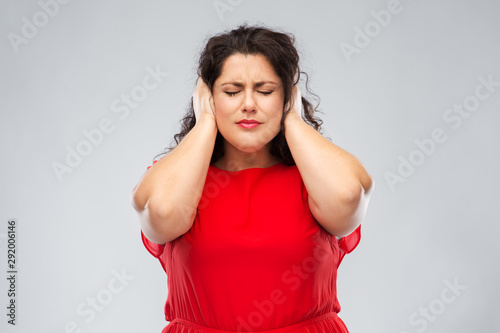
[[206, 120], [293, 116]]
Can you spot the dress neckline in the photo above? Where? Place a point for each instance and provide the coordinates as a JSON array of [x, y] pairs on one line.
[[274, 166]]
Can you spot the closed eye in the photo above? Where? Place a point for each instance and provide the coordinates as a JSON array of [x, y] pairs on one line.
[[232, 93]]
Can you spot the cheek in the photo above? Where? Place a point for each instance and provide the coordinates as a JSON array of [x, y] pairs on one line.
[[276, 122], [278, 104], [224, 106], [277, 107]]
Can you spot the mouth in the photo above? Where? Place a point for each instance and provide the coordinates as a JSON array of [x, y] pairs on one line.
[[248, 123]]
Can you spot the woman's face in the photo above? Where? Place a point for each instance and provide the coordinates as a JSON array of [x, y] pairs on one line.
[[248, 88]]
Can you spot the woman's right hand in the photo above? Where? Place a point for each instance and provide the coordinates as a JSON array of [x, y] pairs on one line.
[[203, 102]]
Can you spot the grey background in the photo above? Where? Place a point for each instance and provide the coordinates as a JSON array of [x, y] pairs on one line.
[[439, 225]]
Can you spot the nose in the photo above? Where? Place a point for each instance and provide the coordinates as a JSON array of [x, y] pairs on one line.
[[249, 101]]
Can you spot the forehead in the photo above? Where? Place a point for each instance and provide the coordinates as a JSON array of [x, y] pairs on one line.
[[248, 68]]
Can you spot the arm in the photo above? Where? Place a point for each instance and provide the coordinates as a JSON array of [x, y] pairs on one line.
[[167, 196], [338, 185]]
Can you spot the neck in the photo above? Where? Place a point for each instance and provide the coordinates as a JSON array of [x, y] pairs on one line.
[[236, 160]]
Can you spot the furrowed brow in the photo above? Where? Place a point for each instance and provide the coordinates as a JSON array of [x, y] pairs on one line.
[[257, 84]]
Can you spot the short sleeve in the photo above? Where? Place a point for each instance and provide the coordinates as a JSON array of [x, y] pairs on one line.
[[155, 249], [348, 243]]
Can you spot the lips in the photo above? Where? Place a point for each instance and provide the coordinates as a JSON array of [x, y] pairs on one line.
[[248, 123]]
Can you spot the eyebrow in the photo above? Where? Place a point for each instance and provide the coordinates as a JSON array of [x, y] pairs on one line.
[[258, 84]]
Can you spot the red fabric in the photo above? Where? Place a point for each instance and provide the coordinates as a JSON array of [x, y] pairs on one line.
[[255, 259]]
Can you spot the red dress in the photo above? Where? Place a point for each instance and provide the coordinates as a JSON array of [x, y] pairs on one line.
[[254, 260]]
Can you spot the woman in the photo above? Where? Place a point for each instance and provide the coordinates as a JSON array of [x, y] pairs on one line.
[[253, 210]]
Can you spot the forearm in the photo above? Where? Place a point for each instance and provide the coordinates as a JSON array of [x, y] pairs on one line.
[[176, 181], [330, 174]]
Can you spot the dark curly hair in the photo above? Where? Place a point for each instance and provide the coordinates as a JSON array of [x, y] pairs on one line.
[[278, 48]]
